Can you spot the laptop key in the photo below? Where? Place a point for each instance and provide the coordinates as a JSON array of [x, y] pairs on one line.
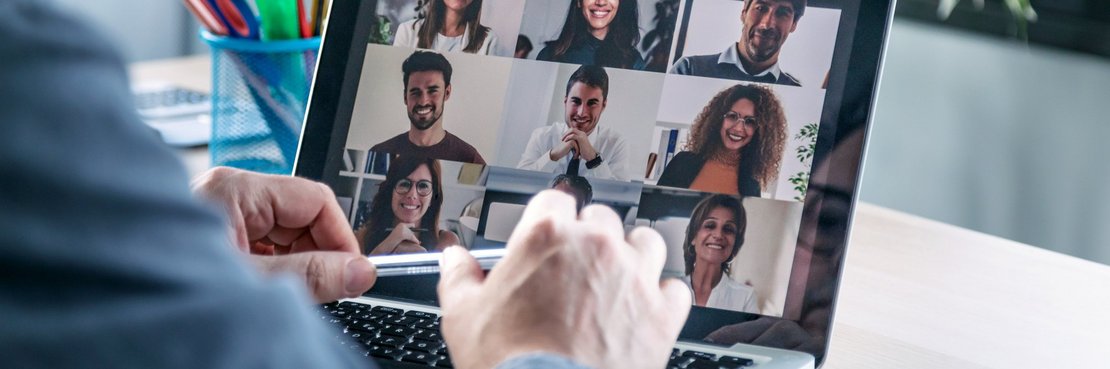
[[700, 363], [398, 331], [368, 327], [443, 361], [423, 346], [421, 314], [385, 352], [389, 341], [419, 358], [406, 321], [387, 310], [433, 336], [736, 360], [702, 355]]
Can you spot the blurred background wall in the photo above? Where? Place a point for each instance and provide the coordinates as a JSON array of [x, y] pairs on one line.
[[974, 127]]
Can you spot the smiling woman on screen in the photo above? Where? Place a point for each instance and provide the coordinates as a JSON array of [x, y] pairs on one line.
[[713, 237], [735, 144], [448, 25], [598, 32], [404, 214]]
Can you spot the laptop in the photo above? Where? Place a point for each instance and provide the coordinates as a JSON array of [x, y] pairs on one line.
[[736, 129]]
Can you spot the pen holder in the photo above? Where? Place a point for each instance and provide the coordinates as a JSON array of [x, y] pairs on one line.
[[259, 94]]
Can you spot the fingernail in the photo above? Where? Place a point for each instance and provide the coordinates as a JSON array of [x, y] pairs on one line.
[[357, 276]]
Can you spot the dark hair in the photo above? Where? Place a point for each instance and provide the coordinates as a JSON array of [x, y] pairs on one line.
[[618, 49], [583, 191], [799, 7], [763, 156], [434, 19], [381, 208], [425, 61], [523, 43], [590, 75], [701, 211]]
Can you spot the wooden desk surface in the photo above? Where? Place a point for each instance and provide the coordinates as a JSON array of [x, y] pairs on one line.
[[916, 293]]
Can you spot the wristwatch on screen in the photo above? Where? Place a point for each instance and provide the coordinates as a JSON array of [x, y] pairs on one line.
[[593, 163]]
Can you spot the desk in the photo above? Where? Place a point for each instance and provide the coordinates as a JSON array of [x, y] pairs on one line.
[[917, 293]]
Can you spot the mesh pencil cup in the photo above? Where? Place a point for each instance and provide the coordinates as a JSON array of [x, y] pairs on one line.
[[259, 94]]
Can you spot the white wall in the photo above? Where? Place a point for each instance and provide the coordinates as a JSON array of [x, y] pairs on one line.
[[630, 108], [986, 133], [763, 262], [806, 54], [685, 96], [141, 30], [544, 20], [473, 112]]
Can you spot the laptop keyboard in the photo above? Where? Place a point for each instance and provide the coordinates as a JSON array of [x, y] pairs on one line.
[[392, 334]]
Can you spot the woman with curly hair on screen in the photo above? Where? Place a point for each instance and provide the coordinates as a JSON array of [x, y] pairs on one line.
[[735, 144], [404, 214]]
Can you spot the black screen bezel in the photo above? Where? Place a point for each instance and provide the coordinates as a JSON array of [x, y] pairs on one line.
[[850, 111]]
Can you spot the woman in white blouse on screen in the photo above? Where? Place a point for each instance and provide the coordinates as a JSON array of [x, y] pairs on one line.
[[448, 25], [713, 237]]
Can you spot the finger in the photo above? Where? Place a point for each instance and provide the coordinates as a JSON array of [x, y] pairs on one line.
[[651, 249], [285, 236], [550, 207], [459, 274], [300, 203], [605, 219], [677, 300], [329, 276]]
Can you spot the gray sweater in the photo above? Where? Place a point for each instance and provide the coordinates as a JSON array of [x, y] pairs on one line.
[[106, 260]]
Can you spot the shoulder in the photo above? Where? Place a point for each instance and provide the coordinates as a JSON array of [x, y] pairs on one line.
[[446, 239], [787, 79], [406, 32], [686, 158], [453, 140], [397, 142], [546, 53]]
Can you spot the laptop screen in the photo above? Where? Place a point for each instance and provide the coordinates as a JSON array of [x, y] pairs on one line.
[[436, 121]]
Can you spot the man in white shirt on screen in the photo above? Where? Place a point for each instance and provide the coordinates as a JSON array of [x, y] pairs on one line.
[[580, 147]]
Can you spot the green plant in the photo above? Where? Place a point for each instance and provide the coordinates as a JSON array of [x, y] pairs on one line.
[[808, 138], [1021, 10]]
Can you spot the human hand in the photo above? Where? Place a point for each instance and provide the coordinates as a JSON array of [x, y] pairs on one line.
[[401, 237], [582, 143], [569, 284], [291, 225], [560, 151]]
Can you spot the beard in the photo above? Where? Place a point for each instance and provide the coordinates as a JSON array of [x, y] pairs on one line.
[[772, 43], [423, 124]]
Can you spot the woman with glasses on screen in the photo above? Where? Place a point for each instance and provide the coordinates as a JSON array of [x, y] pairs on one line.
[[598, 32], [404, 214], [713, 238], [735, 145], [448, 25]]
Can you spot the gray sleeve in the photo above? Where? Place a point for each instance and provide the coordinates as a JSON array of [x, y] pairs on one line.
[[107, 260], [682, 66], [540, 361]]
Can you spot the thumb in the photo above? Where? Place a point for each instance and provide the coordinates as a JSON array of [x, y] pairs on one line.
[[329, 275], [676, 297], [458, 273]]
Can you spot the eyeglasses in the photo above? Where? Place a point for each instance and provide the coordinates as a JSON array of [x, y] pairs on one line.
[[423, 187], [734, 117]]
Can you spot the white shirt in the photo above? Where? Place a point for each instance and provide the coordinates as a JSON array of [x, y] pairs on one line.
[[609, 145], [728, 295], [731, 56], [407, 36]]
